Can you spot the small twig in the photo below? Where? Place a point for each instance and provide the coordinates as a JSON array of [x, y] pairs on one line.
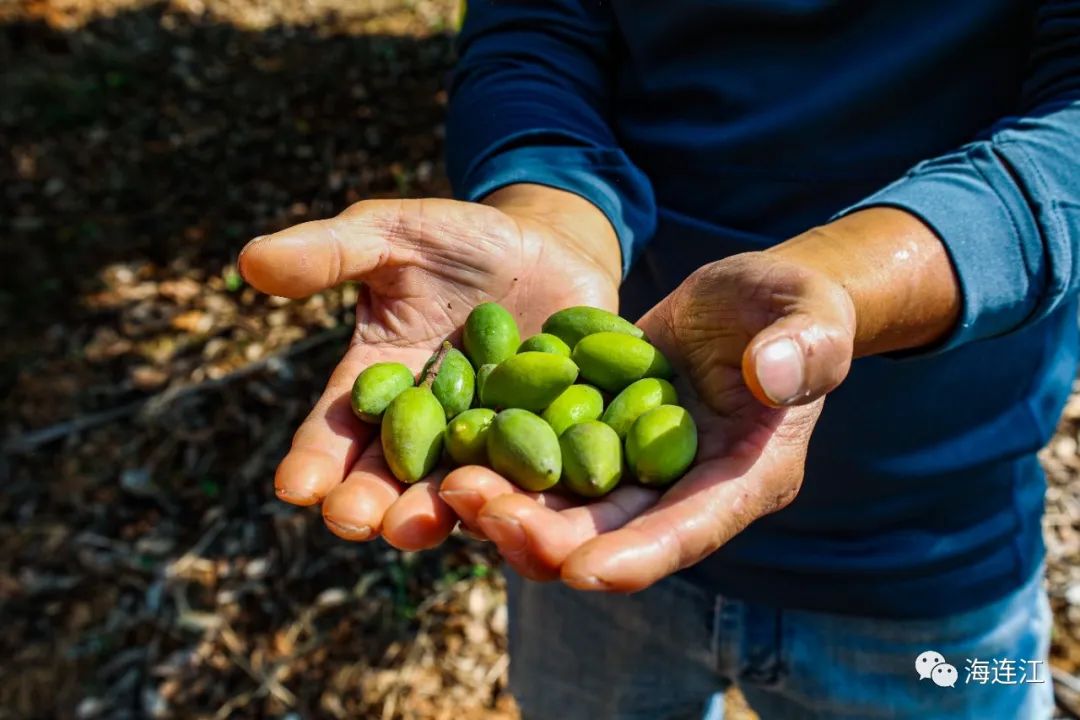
[[265, 680], [268, 683], [431, 371], [1066, 691], [239, 701], [181, 564], [31, 440], [497, 669], [156, 404]]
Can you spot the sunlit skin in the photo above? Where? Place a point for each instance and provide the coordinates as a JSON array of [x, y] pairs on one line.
[[424, 264], [759, 339]]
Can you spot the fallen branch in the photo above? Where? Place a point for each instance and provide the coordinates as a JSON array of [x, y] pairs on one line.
[[156, 404]]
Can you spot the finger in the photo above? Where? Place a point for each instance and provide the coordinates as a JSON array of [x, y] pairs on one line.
[[327, 443], [420, 519], [806, 353], [470, 533], [331, 438], [503, 528], [313, 256], [467, 489], [356, 509], [658, 542], [536, 539], [697, 515]]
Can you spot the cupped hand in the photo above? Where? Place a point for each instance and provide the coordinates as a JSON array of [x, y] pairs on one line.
[[424, 265], [758, 340]]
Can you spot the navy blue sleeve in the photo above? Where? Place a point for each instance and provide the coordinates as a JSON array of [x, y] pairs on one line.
[[1007, 206], [530, 101]]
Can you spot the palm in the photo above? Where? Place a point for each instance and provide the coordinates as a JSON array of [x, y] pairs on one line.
[[449, 257], [424, 265], [749, 463]]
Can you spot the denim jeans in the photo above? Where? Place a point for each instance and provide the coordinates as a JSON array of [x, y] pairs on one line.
[[670, 652]]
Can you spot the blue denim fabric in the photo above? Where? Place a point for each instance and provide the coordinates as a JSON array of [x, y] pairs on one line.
[[670, 652]]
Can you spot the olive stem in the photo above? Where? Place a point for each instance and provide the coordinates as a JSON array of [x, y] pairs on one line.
[[431, 371]]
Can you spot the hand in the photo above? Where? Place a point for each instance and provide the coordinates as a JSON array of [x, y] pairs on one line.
[[424, 264], [761, 339]]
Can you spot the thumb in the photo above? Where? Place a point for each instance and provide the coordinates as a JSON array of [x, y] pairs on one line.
[[313, 256], [805, 353]]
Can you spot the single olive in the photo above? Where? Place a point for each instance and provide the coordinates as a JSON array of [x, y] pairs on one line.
[[576, 404], [466, 436], [661, 445], [524, 448], [592, 458], [543, 342], [376, 387], [573, 323], [531, 380], [412, 434], [490, 334], [452, 379], [481, 378], [613, 360]]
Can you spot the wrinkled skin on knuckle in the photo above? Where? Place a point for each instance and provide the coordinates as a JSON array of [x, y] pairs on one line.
[[764, 498], [700, 320], [783, 480], [722, 305]]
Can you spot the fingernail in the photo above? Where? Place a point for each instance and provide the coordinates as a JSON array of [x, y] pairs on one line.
[[779, 368], [351, 532], [586, 582], [252, 241], [503, 531], [464, 497], [296, 498]]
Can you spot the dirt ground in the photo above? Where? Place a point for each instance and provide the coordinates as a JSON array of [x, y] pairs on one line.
[[146, 569]]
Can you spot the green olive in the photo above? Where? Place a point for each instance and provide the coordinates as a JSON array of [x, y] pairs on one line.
[[531, 380], [490, 334], [613, 360], [522, 447], [544, 342], [592, 458], [574, 323], [637, 399], [466, 436], [661, 445], [412, 434], [576, 404], [452, 379], [376, 387], [481, 379]]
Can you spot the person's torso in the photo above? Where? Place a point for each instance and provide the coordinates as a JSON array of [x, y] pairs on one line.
[[778, 113], [757, 119]]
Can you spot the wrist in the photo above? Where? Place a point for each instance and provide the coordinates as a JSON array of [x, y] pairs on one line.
[[566, 218], [894, 268]]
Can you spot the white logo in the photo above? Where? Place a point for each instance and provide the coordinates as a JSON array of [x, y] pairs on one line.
[[931, 664], [944, 675]]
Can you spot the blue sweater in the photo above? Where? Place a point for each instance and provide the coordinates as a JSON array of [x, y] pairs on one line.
[[704, 128]]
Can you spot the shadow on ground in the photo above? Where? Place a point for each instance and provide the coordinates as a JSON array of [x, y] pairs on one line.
[[145, 568]]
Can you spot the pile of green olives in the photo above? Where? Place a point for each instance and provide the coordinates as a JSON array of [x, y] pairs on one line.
[[582, 404]]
